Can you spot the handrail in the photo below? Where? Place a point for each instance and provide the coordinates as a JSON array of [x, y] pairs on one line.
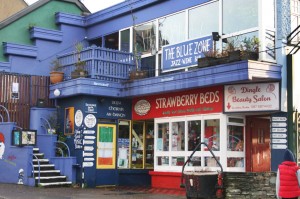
[[190, 157], [8, 118], [1, 118], [61, 151], [42, 118], [39, 173], [65, 146]]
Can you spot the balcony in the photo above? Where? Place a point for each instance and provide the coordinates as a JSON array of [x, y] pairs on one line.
[[109, 75], [99, 63]]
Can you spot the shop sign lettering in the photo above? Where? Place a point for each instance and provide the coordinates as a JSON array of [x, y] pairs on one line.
[[185, 54], [78, 139], [196, 101], [91, 108], [251, 97]]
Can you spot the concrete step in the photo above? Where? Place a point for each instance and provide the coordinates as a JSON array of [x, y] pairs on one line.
[[56, 184]]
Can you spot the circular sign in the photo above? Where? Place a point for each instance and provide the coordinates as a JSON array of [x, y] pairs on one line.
[[90, 121], [78, 118], [142, 107]]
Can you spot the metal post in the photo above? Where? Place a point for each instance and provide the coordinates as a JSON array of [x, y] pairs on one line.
[[291, 133]]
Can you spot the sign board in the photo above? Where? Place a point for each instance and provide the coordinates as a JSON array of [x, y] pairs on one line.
[[190, 102], [279, 135], [279, 146], [281, 130], [185, 54], [87, 164], [283, 141], [251, 97]]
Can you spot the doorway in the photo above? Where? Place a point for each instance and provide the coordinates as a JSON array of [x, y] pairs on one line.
[[258, 144]]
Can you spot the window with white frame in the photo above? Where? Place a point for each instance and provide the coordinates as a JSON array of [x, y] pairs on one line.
[[236, 142], [230, 18], [176, 138], [203, 20]]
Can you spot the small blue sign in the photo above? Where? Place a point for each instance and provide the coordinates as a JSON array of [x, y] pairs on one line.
[[185, 54]]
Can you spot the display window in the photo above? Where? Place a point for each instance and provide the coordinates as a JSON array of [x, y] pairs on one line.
[[235, 143], [176, 138], [123, 144], [135, 147]]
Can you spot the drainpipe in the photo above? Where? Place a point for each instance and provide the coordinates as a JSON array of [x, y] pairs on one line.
[[292, 139]]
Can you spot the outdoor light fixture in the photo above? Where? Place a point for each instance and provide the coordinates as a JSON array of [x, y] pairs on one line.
[[216, 36], [56, 92]]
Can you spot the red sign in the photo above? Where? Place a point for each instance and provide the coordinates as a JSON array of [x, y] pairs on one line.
[[191, 102]]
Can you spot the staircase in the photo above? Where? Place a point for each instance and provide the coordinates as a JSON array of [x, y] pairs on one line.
[[47, 175]]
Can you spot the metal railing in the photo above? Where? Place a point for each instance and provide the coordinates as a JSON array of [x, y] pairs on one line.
[[39, 169], [8, 117], [61, 150]]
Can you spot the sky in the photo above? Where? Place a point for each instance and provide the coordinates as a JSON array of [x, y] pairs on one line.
[[92, 5]]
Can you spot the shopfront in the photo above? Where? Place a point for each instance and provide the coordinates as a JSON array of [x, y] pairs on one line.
[[184, 119]]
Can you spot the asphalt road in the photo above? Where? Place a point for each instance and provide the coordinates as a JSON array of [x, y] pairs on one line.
[[14, 191]]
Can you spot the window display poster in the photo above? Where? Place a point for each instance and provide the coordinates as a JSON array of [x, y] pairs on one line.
[[123, 152], [106, 142], [69, 120]]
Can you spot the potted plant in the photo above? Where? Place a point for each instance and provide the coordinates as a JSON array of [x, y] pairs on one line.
[[53, 123], [212, 57], [79, 65], [249, 48], [232, 50], [56, 75]]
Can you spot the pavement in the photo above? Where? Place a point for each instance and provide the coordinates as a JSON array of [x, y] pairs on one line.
[[14, 191]]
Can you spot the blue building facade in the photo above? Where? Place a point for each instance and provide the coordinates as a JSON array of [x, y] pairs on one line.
[[146, 101]]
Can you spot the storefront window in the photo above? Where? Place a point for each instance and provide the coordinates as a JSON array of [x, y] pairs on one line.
[[163, 160], [178, 136], [204, 20], [212, 134], [149, 142], [194, 134], [171, 29], [235, 142], [177, 161], [211, 162], [123, 144], [137, 141], [144, 38], [245, 11], [162, 142], [235, 162], [125, 40]]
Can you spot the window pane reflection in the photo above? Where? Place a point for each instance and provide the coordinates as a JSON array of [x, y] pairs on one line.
[[212, 134], [171, 29], [178, 136], [144, 38], [244, 13], [194, 134], [204, 20]]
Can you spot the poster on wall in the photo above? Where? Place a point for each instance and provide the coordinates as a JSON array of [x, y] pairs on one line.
[[252, 97], [28, 137], [106, 146], [69, 120]]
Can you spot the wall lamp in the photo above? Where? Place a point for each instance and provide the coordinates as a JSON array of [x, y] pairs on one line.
[[56, 92]]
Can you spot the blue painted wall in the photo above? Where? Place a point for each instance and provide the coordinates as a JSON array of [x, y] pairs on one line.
[[124, 20], [102, 108], [14, 159]]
